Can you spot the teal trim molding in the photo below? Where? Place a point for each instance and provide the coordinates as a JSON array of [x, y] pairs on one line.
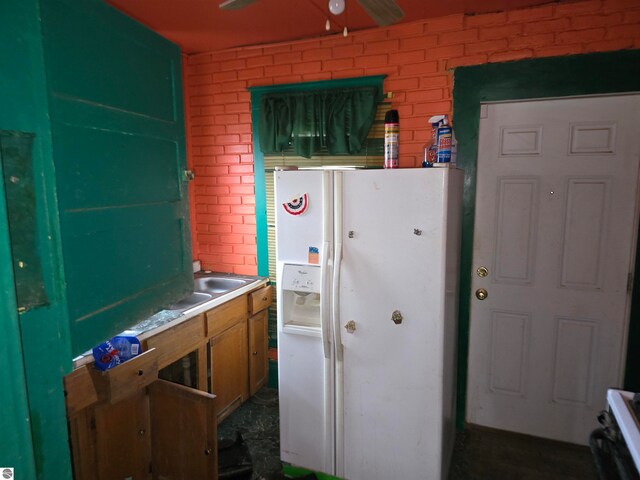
[[258, 157], [592, 74]]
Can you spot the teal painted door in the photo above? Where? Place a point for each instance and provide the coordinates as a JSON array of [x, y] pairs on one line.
[[115, 98]]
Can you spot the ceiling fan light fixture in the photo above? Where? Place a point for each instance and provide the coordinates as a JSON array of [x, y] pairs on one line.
[[336, 7]]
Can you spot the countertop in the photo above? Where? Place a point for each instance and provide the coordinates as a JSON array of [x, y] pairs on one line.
[[166, 319]]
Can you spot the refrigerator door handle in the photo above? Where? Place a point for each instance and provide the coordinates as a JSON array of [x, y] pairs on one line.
[[335, 304], [325, 308]]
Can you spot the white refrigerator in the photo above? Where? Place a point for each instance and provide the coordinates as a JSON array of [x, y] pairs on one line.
[[368, 264]]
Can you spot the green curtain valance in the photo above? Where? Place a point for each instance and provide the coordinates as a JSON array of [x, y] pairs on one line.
[[338, 120]]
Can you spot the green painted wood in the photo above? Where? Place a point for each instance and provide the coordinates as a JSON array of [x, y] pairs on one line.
[[591, 74], [119, 146], [41, 452], [292, 471]]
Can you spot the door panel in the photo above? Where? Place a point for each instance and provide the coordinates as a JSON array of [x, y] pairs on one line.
[[184, 440], [258, 367], [555, 226], [230, 368], [122, 445]]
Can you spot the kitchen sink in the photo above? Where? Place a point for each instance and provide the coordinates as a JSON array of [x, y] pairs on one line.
[[209, 286], [219, 284], [191, 301]]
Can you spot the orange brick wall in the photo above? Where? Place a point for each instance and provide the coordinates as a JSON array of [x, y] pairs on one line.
[[417, 58]]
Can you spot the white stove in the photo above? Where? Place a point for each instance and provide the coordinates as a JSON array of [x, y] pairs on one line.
[[626, 416], [616, 445]]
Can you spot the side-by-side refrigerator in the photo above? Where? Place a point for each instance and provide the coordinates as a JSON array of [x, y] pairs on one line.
[[368, 264]]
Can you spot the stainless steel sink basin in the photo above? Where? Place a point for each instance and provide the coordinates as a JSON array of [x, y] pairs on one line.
[[211, 284], [191, 301]]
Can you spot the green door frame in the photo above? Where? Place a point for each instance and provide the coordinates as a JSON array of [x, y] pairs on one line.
[[591, 74], [37, 342]]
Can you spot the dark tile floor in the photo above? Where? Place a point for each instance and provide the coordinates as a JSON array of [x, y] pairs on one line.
[[480, 454]]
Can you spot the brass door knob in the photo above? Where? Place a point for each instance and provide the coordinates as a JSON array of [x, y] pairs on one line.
[[481, 294]]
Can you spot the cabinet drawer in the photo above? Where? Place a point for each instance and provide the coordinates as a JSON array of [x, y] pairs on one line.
[[260, 299], [79, 390], [178, 341], [127, 378], [226, 315]]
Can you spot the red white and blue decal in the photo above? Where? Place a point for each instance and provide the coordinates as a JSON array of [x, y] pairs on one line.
[[297, 205]]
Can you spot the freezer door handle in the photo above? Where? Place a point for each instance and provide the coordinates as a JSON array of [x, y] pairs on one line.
[[325, 309]]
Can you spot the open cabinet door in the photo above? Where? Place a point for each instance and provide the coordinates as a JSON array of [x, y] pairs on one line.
[[184, 435]]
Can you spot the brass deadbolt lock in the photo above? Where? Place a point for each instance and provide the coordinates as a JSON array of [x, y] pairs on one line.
[[482, 272]]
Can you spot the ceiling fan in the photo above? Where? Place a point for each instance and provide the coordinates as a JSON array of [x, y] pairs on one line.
[[383, 12]]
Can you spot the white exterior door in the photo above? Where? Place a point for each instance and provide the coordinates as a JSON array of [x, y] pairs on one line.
[[555, 229]]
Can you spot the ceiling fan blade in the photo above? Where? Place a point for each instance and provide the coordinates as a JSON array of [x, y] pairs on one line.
[[383, 12], [235, 4]]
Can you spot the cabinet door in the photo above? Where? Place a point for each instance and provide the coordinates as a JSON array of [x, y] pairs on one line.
[[229, 369], [258, 365], [122, 446], [184, 437]]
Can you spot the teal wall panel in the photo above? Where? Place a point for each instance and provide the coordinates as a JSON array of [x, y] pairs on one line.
[[119, 147]]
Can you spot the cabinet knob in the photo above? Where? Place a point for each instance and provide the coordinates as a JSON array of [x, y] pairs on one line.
[[264, 299], [140, 373], [207, 451], [255, 353]]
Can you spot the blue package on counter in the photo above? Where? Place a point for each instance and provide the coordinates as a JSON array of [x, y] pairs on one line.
[[116, 351]]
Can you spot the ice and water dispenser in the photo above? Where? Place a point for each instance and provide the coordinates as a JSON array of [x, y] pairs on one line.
[[301, 286]]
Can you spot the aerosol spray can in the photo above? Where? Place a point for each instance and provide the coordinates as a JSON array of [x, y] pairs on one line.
[[391, 134], [444, 139]]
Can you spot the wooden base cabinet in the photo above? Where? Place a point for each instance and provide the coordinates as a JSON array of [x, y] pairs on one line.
[[238, 349], [166, 431], [125, 423]]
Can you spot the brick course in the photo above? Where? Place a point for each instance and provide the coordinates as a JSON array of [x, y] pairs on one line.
[[417, 58]]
